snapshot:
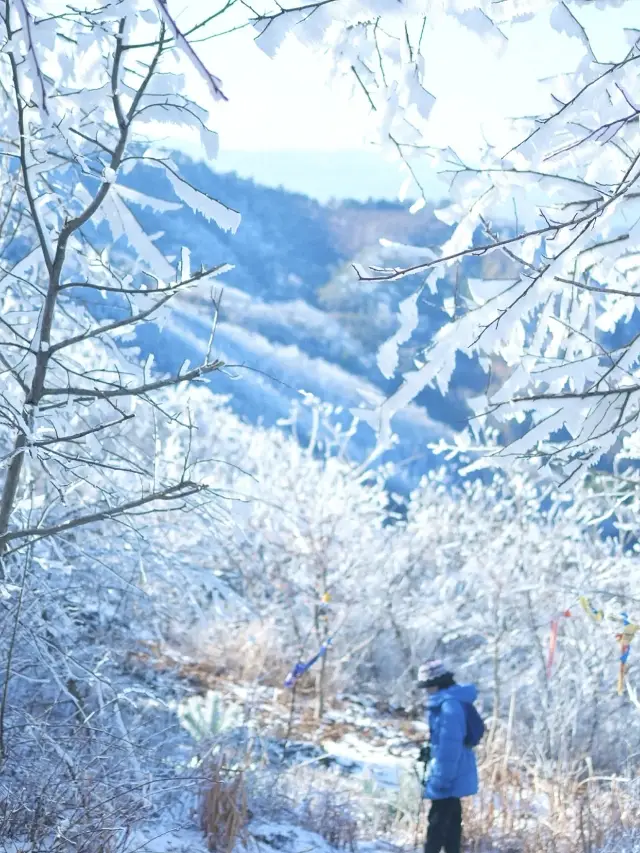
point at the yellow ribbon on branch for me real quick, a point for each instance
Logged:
(624, 637)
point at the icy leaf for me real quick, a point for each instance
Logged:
(409, 318)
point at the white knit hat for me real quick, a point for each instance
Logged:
(431, 672)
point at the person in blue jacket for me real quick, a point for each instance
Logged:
(452, 769)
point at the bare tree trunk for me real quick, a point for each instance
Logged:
(41, 343)
(320, 686)
(31, 402)
(43, 333)
(9, 662)
(321, 625)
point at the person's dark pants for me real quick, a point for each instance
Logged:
(445, 826)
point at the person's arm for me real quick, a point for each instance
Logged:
(446, 757)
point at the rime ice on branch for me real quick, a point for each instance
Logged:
(559, 201)
(81, 86)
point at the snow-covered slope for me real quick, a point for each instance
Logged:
(263, 378)
(294, 315)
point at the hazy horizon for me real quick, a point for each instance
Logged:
(327, 175)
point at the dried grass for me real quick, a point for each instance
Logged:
(248, 652)
(520, 810)
(224, 812)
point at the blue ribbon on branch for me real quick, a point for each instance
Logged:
(300, 668)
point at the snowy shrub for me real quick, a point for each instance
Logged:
(474, 572)
(207, 717)
(320, 801)
(331, 815)
(252, 649)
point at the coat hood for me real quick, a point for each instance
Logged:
(461, 692)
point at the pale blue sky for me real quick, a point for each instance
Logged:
(286, 105)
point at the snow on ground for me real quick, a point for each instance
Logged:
(356, 756)
(287, 838)
(154, 840)
(264, 837)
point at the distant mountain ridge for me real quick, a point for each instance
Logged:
(325, 175)
(293, 314)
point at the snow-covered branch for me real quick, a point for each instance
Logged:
(134, 390)
(555, 199)
(174, 492)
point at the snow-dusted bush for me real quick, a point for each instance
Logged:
(485, 568)
(315, 527)
(475, 572)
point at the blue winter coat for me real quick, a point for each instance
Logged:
(453, 771)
